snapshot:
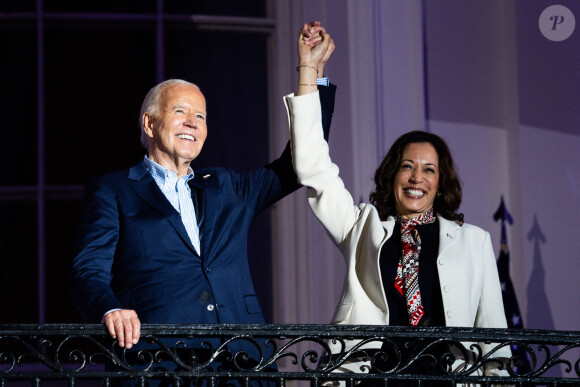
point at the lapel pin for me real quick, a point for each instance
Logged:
(206, 176)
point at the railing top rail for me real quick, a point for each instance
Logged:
(297, 330)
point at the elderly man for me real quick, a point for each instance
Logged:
(161, 243)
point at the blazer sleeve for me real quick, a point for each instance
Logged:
(490, 311)
(97, 235)
(329, 199)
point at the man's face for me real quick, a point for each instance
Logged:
(177, 133)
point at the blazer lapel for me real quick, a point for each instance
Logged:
(205, 193)
(370, 273)
(146, 188)
(198, 197)
(448, 233)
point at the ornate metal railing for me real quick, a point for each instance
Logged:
(282, 354)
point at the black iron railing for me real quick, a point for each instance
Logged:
(186, 355)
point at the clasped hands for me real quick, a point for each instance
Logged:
(315, 47)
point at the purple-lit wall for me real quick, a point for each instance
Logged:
(493, 75)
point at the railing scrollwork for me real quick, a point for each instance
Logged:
(188, 354)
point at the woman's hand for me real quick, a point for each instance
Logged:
(315, 47)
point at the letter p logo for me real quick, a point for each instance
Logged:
(557, 20)
(557, 23)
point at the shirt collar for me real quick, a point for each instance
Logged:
(159, 172)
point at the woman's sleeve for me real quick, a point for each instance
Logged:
(491, 312)
(330, 201)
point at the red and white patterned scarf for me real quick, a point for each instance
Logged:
(407, 280)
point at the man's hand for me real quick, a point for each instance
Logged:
(123, 325)
(325, 58)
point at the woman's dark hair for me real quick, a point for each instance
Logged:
(446, 204)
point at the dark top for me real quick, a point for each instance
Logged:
(428, 277)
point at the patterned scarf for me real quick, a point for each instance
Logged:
(407, 280)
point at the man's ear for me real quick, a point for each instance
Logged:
(148, 124)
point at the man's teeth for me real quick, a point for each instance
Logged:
(414, 192)
(186, 137)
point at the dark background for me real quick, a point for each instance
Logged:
(72, 79)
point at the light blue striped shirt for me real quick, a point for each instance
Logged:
(178, 193)
(324, 81)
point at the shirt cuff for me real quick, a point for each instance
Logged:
(109, 311)
(323, 81)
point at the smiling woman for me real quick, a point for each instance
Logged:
(423, 161)
(411, 259)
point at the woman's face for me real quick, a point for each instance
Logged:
(417, 180)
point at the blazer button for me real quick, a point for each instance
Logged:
(210, 307)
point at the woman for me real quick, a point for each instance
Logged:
(411, 259)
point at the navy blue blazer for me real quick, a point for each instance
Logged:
(133, 251)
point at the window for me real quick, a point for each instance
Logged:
(73, 77)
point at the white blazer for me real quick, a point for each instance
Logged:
(466, 263)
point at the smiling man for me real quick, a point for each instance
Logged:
(174, 132)
(161, 243)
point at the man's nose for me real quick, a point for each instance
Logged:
(191, 121)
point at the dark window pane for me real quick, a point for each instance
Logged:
(248, 8)
(18, 6)
(96, 77)
(61, 220)
(231, 70)
(18, 263)
(108, 6)
(18, 98)
(236, 94)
